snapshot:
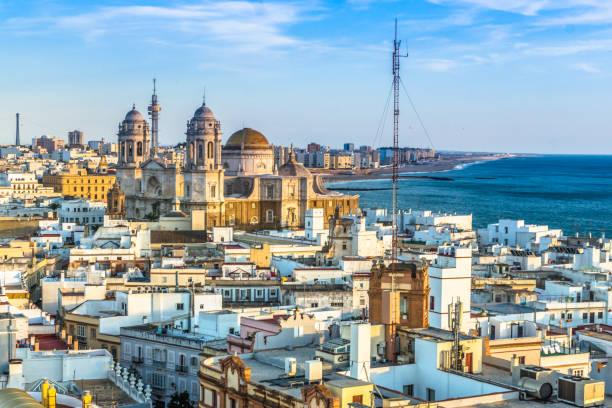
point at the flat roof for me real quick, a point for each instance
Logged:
(438, 335)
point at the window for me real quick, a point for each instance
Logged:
(404, 307)
(344, 245)
(81, 330)
(521, 359)
(431, 394)
(585, 316)
(432, 303)
(180, 306)
(232, 403)
(269, 191)
(210, 149)
(213, 191)
(552, 316)
(194, 361)
(505, 230)
(314, 305)
(269, 216)
(409, 389)
(92, 333)
(569, 316)
(139, 149)
(600, 315)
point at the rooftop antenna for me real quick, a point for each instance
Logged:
(204, 97)
(154, 110)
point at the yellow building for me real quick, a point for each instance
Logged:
(341, 161)
(81, 183)
(349, 390)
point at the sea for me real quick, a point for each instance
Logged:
(570, 192)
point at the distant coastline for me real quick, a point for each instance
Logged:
(446, 163)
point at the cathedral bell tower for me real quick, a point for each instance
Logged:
(203, 172)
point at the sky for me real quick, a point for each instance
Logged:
(529, 76)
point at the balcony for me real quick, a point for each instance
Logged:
(182, 369)
(159, 363)
(137, 359)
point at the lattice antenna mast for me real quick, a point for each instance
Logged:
(396, 91)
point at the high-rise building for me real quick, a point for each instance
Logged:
(349, 147)
(76, 139)
(313, 147)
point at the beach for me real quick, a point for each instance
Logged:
(444, 163)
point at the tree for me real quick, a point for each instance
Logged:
(151, 216)
(180, 400)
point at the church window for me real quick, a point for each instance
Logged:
(209, 149)
(270, 191)
(213, 191)
(130, 150)
(200, 153)
(269, 216)
(139, 149)
(191, 151)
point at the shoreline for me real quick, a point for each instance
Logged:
(444, 164)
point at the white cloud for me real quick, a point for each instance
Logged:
(585, 67)
(249, 25)
(438, 64)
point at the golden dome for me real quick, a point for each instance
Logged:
(247, 137)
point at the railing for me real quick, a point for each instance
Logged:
(159, 363)
(182, 369)
(137, 359)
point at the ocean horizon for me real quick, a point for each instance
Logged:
(571, 192)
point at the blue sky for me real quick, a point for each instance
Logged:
(484, 75)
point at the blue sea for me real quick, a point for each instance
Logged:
(570, 192)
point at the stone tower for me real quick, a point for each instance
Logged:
(134, 140)
(203, 172)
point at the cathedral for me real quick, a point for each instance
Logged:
(236, 184)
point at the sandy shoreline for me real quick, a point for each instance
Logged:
(444, 164)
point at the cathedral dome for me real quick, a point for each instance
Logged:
(247, 137)
(134, 115)
(293, 168)
(203, 112)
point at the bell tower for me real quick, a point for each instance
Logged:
(203, 173)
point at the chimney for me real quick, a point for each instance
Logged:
(361, 338)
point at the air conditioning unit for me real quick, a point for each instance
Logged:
(534, 372)
(579, 391)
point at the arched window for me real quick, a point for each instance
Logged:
(139, 149)
(122, 150)
(213, 191)
(130, 150)
(269, 216)
(200, 153)
(191, 151)
(209, 149)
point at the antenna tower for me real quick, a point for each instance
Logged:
(396, 91)
(396, 86)
(154, 110)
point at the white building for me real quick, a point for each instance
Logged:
(82, 211)
(315, 225)
(450, 278)
(516, 233)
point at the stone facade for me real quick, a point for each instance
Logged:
(238, 186)
(399, 300)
